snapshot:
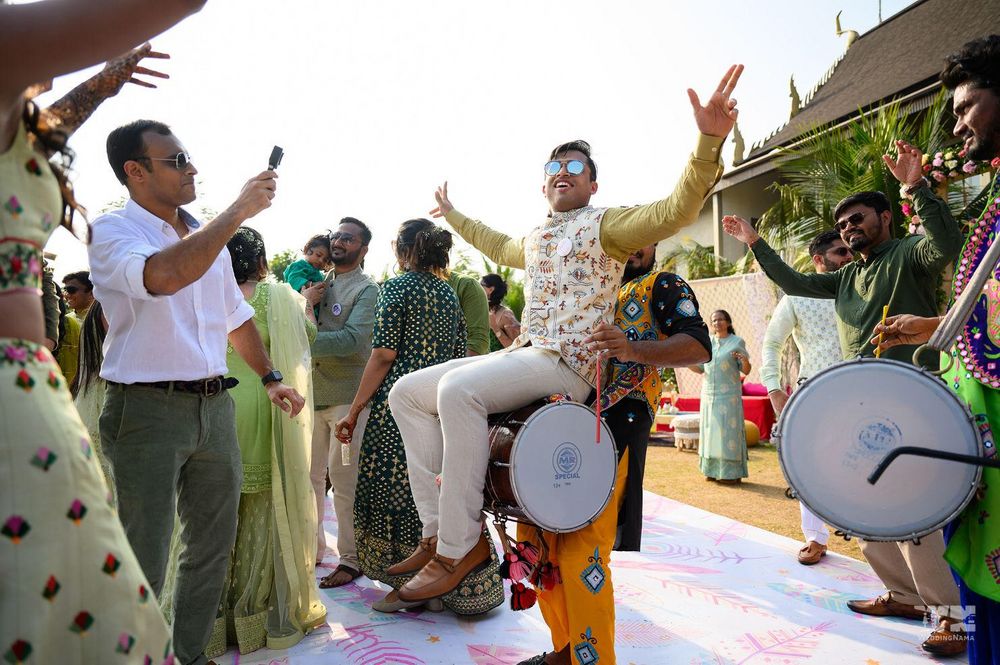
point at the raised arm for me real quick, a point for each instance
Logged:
(499, 247)
(171, 269)
(943, 239)
(792, 282)
(42, 40)
(73, 109)
(625, 230)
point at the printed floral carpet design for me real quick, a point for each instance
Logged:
(705, 590)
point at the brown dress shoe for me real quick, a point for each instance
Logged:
(811, 553)
(946, 642)
(442, 574)
(885, 606)
(421, 556)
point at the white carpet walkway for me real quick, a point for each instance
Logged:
(705, 590)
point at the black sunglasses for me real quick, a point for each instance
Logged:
(853, 220)
(71, 289)
(573, 167)
(342, 237)
(180, 160)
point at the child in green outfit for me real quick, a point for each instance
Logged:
(309, 269)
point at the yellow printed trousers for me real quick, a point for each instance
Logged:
(580, 610)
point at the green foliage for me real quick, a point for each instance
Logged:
(830, 164)
(280, 261)
(695, 261)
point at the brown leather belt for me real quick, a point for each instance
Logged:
(204, 387)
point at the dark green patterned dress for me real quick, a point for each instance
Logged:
(418, 316)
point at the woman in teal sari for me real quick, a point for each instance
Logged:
(722, 449)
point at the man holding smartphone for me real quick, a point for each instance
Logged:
(168, 427)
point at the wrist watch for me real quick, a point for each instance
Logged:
(271, 377)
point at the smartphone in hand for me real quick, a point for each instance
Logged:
(276, 154)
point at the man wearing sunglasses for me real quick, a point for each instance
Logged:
(974, 75)
(812, 324)
(901, 273)
(168, 426)
(342, 346)
(79, 292)
(574, 260)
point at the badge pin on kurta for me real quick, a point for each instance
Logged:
(564, 247)
(336, 309)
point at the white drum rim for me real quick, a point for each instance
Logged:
(614, 475)
(851, 531)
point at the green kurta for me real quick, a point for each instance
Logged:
(722, 449)
(418, 316)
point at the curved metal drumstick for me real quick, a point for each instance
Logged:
(928, 452)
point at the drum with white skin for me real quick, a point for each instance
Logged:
(843, 421)
(547, 467)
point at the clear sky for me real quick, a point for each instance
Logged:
(376, 103)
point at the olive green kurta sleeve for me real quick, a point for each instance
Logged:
(624, 230)
(499, 247)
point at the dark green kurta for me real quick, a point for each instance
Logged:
(900, 273)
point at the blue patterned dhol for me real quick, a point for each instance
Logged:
(593, 576)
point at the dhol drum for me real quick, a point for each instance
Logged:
(843, 421)
(546, 467)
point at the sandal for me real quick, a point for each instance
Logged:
(328, 583)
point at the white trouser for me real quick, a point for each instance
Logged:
(326, 453)
(813, 528)
(463, 393)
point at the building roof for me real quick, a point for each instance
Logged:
(899, 57)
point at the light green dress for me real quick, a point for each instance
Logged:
(270, 597)
(722, 449)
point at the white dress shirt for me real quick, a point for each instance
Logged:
(812, 323)
(181, 337)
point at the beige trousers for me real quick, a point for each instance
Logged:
(327, 455)
(916, 574)
(462, 393)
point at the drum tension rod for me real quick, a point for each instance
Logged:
(928, 452)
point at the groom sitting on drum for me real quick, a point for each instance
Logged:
(574, 260)
(900, 274)
(657, 324)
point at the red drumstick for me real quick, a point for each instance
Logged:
(598, 398)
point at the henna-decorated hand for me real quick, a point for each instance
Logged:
(124, 68)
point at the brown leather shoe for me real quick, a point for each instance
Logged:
(421, 557)
(442, 574)
(811, 553)
(885, 606)
(946, 642)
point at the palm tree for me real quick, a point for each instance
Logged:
(830, 164)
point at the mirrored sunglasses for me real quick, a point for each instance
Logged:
(573, 167)
(180, 160)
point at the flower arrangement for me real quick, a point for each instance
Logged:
(942, 168)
